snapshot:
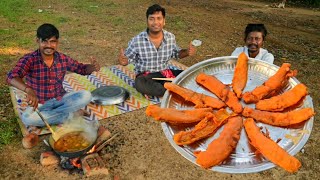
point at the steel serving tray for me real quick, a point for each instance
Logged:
(243, 159)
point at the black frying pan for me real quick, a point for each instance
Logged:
(70, 154)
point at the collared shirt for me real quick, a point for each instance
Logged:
(263, 55)
(146, 57)
(45, 81)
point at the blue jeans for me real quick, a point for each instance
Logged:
(56, 112)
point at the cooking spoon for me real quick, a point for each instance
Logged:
(47, 124)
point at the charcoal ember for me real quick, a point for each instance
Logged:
(66, 163)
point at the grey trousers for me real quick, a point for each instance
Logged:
(147, 86)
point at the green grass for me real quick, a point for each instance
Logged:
(9, 127)
(115, 21)
(92, 7)
(13, 10)
(9, 131)
(75, 32)
(22, 18)
(177, 23)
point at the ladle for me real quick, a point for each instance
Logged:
(47, 124)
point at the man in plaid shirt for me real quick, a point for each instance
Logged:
(44, 71)
(150, 52)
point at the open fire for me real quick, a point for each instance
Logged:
(92, 150)
(90, 162)
(76, 162)
(70, 163)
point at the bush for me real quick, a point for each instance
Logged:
(313, 3)
(301, 3)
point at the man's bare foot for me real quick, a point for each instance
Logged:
(30, 140)
(147, 97)
(82, 112)
(34, 129)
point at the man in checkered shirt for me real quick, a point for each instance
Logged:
(44, 71)
(150, 52)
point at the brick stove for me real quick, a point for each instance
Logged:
(90, 163)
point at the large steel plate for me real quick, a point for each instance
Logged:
(243, 159)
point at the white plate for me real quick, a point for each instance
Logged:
(196, 43)
(243, 159)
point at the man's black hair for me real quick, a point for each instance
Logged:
(155, 8)
(255, 28)
(47, 31)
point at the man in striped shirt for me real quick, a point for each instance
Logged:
(44, 71)
(150, 52)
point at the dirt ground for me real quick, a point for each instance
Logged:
(141, 151)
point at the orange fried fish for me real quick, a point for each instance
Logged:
(176, 116)
(220, 90)
(279, 119)
(269, 149)
(203, 129)
(273, 84)
(219, 149)
(285, 100)
(240, 76)
(200, 100)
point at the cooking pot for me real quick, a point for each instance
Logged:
(73, 154)
(76, 125)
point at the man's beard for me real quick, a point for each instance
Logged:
(256, 48)
(155, 32)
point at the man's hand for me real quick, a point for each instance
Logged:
(32, 98)
(94, 66)
(123, 60)
(191, 50)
